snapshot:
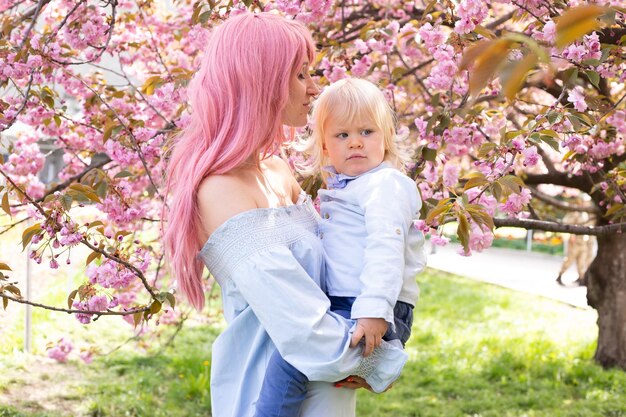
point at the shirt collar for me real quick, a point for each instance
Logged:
(338, 181)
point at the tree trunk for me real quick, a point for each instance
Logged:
(606, 292)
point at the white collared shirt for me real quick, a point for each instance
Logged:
(373, 250)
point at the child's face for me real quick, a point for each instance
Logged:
(353, 147)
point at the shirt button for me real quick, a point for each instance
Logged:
(321, 235)
(326, 215)
(398, 231)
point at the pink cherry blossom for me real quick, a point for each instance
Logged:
(516, 202)
(577, 97)
(479, 239)
(451, 174)
(61, 350)
(531, 157)
(439, 240)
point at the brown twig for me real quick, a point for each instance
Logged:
(561, 228)
(74, 311)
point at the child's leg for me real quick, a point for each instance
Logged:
(403, 319)
(284, 387)
(283, 390)
(341, 305)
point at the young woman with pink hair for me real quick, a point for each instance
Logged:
(238, 210)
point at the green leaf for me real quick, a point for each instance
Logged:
(123, 174)
(554, 117)
(496, 191)
(5, 204)
(513, 133)
(92, 256)
(429, 154)
(512, 183)
(66, 202)
(171, 299)
(28, 234)
(576, 22)
(95, 224)
(475, 182)
(155, 307)
(102, 189)
(108, 130)
(13, 289)
(197, 8)
(594, 77)
(444, 122)
(70, 298)
(462, 231)
(568, 155)
(550, 141)
(83, 192)
(486, 57)
(204, 17)
(441, 209)
(137, 318)
(614, 208)
(551, 133)
(515, 77)
(485, 149)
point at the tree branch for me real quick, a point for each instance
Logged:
(84, 240)
(611, 36)
(562, 204)
(74, 311)
(560, 227)
(75, 178)
(40, 5)
(559, 178)
(498, 22)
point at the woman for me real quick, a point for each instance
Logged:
(242, 212)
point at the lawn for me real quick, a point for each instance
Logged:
(476, 350)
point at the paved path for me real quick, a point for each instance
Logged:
(530, 272)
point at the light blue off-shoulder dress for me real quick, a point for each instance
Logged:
(269, 265)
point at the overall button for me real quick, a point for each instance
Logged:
(326, 215)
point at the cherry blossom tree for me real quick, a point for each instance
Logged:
(512, 109)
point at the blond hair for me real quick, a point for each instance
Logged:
(349, 99)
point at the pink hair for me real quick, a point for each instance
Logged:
(237, 97)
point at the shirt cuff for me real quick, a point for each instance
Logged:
(373, 307)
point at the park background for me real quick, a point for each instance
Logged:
(513, 110)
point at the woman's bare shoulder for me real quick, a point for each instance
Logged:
(221, 197)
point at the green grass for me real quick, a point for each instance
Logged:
(477, 350)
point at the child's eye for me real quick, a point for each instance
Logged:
(367, 132)
(341, 135)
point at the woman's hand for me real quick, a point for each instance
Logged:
(354, 382)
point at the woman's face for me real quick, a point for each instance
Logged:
(301, 90)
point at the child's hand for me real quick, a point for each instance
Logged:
(373, 329)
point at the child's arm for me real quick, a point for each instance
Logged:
(389, 207)
(373, 330)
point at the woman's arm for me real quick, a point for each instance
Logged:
(295, 313)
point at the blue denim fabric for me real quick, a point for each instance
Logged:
(283, 390)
